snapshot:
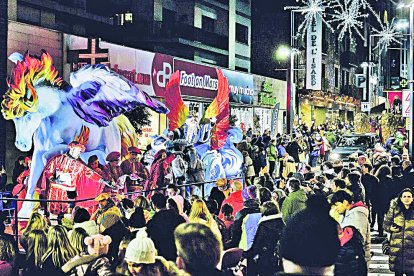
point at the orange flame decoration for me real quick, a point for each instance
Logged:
(21, 96)
(83, 137)
(129, 136)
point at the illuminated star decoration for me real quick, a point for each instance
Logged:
(311, 9)
(349, 17)
(388, 34)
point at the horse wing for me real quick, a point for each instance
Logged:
(98, 95)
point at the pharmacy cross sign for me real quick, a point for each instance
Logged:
(93, 54)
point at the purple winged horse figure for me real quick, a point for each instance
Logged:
(49, 113)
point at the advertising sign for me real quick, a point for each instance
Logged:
(406, 103)
(150, 72)
(314, 55)
(394, 99)
(241, 87)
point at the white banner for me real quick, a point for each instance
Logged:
(314, 55)
(406, 103)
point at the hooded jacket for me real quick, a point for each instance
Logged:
(235, 199)
(401, 242)
(293, 203)
(357, 216)
(265, 245)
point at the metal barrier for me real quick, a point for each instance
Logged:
(74, 201)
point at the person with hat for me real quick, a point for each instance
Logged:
(246, 222)
(135, 169)
(66, 176)
(310, 243)
(108, 218)
(141, 257)
(112, 170)
(95, 262)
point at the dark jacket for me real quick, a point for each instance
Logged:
(3, 181)
(251, 206)
(351, 255)
(265, 246)
(369, 181)
(401, 242)
(17, 170)
(117, 232)
(161, 230)
(48, 268)
(92, 265)
(380, 196)
(293, 149)
(408, 177)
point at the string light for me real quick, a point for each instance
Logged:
(310, 9)
(387, 35)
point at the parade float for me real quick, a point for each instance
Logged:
(50, 113)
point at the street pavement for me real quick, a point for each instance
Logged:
(379, 262)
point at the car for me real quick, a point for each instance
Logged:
(353, 143)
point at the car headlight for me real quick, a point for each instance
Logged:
(335, 156)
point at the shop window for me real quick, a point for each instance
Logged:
(242, 33)
(336, 77)
(207, 24)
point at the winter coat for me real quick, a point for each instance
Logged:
(265, 246)
(3, 180)
(249, 229)
(351, 256)
(293, 203)
(293, 149)
(369, 181)
(235, 199)
(88, 265)
(161, 230)
(251, 206)
(402, 242)
(357, 217)
(272, 153)
(6, 269)
(89, 226)
(248, 162)
(117, 232)
(380, 198)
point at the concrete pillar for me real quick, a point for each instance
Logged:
(232, 34)
(3, 72)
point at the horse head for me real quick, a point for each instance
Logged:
(32, 95)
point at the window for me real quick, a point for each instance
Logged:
(28, 15)
(343, 78)
(336, 77)
(242, 33)
(207, 24)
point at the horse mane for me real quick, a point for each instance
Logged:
(28, 73)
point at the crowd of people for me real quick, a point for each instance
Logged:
(295, 212)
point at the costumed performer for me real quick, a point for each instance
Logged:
(112, 170)
(66, 176)
(136, 171)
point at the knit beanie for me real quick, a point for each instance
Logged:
(98, 244)
(141, 250)
(249, 193)
(315, 233)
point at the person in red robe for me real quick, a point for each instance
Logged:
(136, 171)
(20, 189)
(66, 176)
(112, 171)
